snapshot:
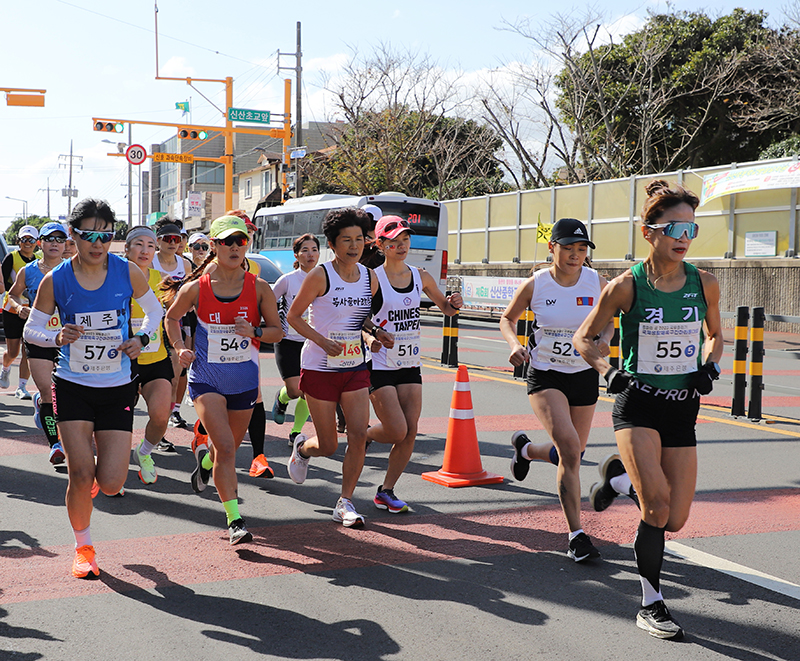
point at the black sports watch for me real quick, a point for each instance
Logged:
(716, 367)
(257, 332)
(144, 338)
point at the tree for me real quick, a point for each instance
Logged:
(402, 132)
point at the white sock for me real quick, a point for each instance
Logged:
(83, 537)
(146, 447)
(524, 452)
(6, 370)
(621, 484)
(23, 383)
(649, 594)
(575, 533)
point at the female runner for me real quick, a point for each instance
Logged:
(287, 351)
(94, 383)
(396, 381)
(333, 369)
(223, 368)
(41, 360)
(562, 387)
(669, 307)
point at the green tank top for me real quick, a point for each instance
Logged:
(662, 335)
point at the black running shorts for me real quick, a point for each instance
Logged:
(580, 388)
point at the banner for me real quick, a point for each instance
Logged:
(758, 177)
(482, 292)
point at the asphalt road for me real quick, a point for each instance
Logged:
(471, 573)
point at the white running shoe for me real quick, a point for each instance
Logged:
(22, 393)
(298, 464)
(345, 513)
(5, 378)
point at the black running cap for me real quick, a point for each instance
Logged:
(570, 230)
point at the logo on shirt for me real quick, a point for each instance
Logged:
(338, 289)
(214, 317)
(690, 295)
(550, 301)
(584, 300)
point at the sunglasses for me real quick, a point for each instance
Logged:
(200, 246)
(55, 239)
(92, 236)
(27, 239)
(170, 238)
(677, 230)
(238, 239)
(391, 227)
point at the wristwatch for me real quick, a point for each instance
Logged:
(144, 338)
(716, 368)
(257, 332)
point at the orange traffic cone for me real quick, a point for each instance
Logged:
(462, 459)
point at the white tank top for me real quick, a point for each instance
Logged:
(178, 273)
(338, 315)
(285, 290)
(399, 315)
(558, 313)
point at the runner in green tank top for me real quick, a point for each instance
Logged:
(667, 306)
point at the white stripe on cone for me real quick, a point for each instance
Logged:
(462, 414)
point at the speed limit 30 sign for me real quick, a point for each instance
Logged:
(136, 154)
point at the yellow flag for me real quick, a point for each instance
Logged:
(543, 233)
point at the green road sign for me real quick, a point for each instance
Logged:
(245, 115)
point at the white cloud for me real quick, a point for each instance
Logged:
(396, 14)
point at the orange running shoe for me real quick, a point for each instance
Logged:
(95, 488)
(199, 439)
(260, 468)
(85, 562)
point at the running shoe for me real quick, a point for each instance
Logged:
(57, 455)
(119, 493)
(175, 420)
(85, 563)
(260, 468)
(519, 464)
(656, 620)
(147, 468)
(386, 500)
(298, 464)
(278, 410)
(199, 439)
(581, 548)
(238, 533)
(37, 404)
(200, 475)
(293, 435)
(345, 513)
(22, 393)
(165, 446)
(5, 378)
(602, 494)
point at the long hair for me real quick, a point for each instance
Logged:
(661, 195)
(298, 243)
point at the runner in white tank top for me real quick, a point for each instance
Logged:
(396, 381)
(333, 369)
(562, 388)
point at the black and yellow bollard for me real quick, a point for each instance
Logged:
(613, 348)
(756, 364)
(740, 360)
(450, 339)
(524, 324)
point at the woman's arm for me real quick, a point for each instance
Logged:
(313, 287)
(184, 301)
(15, 296)
(448, 305)
(508, 322)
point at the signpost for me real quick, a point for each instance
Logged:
(136, 154)
(158, 157)
(245, 115)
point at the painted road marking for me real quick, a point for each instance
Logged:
(753, 576)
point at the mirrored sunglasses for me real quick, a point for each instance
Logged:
(170, 238)
(238, 239)
(91, 236)
(27, 239)
(55, 239)
(200, 246)
(677, 230)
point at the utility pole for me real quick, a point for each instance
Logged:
(130, 186)
(298, 127)
(48, 189)
(69, 192)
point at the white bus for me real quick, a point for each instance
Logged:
(281, 225)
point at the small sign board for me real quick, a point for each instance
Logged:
(173, 158)
(136, 154)
(760, 244)
(245, 115)
(298, 152)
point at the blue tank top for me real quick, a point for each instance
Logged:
(94, 359)
(33, 278)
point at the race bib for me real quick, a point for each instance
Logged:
(155, 336)
(225, 346)
(556, 348)
(668, 348)
(96, 352)
(54, 322)
(405, 352)
(352, 355)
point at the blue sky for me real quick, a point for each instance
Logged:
(97, 59)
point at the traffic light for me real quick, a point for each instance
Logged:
(189, 133)
(111, 127)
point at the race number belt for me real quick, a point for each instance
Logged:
(405, 352)
(668, 348)
(155, 336)
(225, 346)
(96, 352)
(555, 347)
(352, 355)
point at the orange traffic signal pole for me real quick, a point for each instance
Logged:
(28, 97)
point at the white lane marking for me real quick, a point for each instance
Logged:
(732, 569)
(482, 339)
